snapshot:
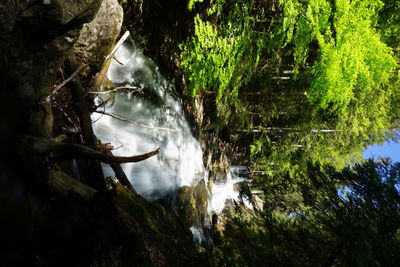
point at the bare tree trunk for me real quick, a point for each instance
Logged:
(82, 109)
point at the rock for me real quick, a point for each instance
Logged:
(98, 37)
(189, 204)
(150, 236)
(9, 9)
(63, 11)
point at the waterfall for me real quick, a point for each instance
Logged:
(161, 123)
(160, 110)
(221, 192)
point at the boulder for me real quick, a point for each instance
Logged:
(63, 11)
(98, 37)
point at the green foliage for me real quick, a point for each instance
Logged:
(350, 79)
(222, 56)
(191, 4)
(352, 60)
(323, 218)
(388, 23)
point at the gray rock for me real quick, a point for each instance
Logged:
(98, 37)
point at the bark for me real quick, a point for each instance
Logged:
(120, 174)
(63, 185)
(47, 146)
(101, 76)
(96, 179)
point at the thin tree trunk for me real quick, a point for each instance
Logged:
(82, 109)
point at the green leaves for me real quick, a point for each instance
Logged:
(222, 57)
(352, 60)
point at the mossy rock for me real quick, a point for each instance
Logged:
(154, 237)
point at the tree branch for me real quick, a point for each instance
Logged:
(115, 89)
(46, 146)
(119, 43)
(132, 122)
(61, 85)
(99, 78)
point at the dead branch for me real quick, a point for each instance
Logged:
(93, 173)
(118, 61)
(114, 90)
(100, 77)
(73, 75)
(119, 43)
(132, 122)
(46, 146)
(120, 174)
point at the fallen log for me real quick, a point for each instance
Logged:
(63, 185)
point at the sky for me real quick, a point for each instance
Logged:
(387, 149)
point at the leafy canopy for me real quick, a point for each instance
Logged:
(352, 60)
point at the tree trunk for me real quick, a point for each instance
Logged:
(82, 109)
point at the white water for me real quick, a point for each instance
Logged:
(179, 161)
(221, 192)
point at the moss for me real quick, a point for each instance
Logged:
(135, 210)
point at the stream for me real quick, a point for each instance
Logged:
(155, 105)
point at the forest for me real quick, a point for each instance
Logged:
(199, 132)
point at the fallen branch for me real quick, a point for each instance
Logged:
(120, 174)
(118, 61)
(101, 76)
(46, 146)
(132, 122)
(73, 75)
(63, 185)
(114, 90)
(119, 43)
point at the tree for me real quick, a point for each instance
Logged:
(324, 218)
(224, 49)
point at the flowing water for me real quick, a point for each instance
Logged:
(221, 192)
(159, 111)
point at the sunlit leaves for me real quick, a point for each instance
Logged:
(352, 61)
(222, 57)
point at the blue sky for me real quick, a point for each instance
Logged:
(387, 149)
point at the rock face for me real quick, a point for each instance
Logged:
(98, 37)
(63, 11)
(189, 204)
(9, 9)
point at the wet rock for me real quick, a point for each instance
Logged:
(150, 235)
(215, 156)
(189, 204)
